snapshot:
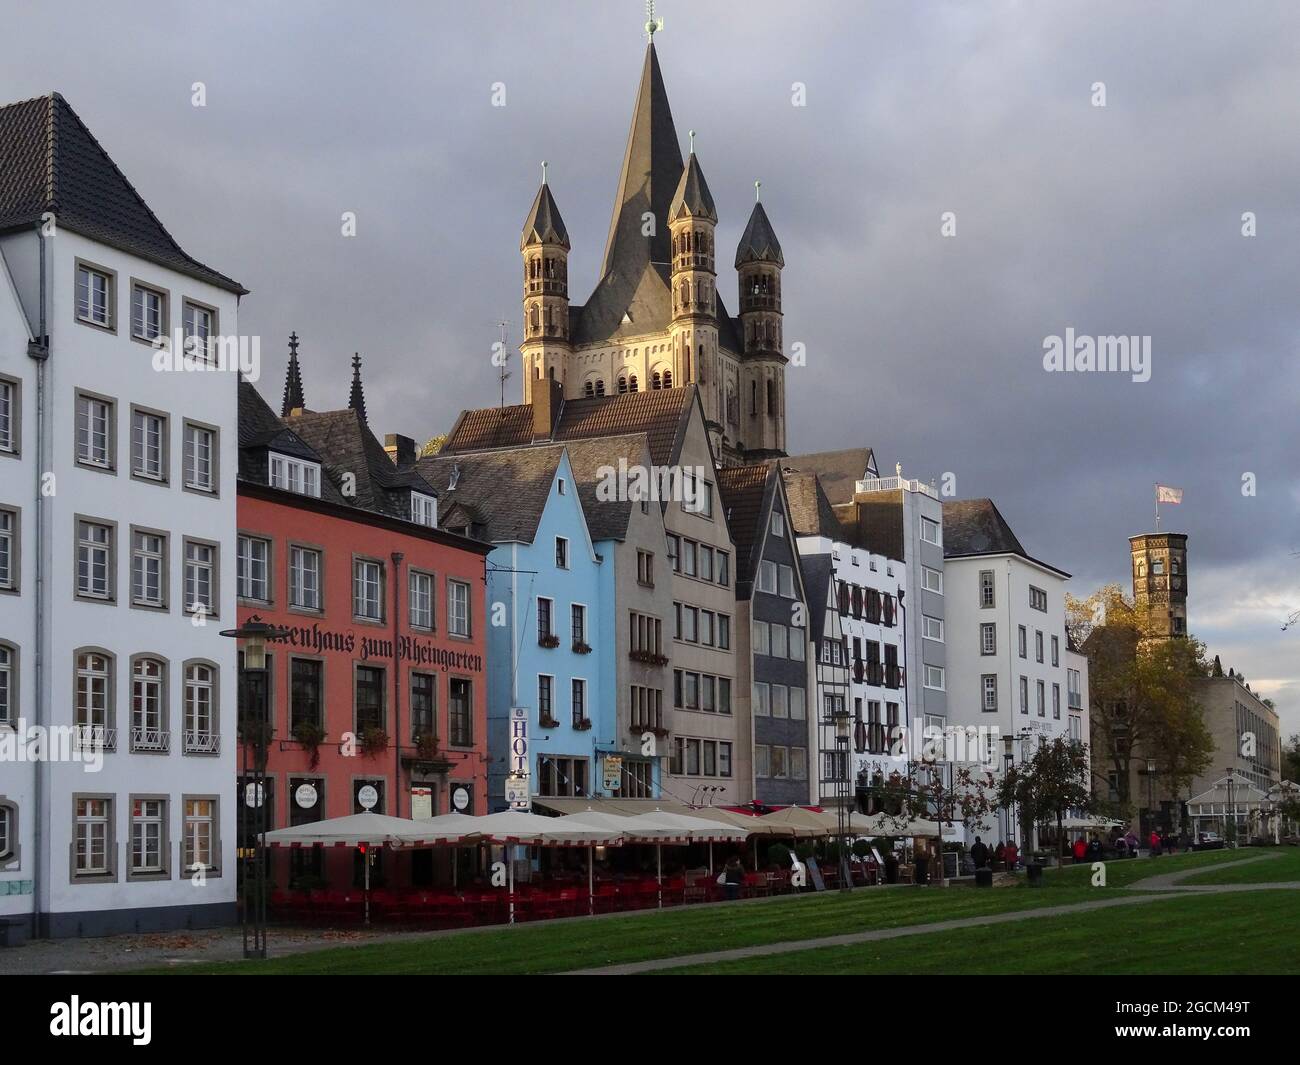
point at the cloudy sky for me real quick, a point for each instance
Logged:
(1122, 219)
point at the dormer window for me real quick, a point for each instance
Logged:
(295, 475)
(424, 510)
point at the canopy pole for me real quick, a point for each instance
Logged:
(591, 883)
(510, 875)
(366, 859)
(756, 854)
(659, 874)
(710, 857)
(455, 861)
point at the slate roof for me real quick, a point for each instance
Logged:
(606, 519)
(259, 427)
(503, 491)
(817, 571)
(811, 513)
(745, 493)
(838, 471)
(544, 224)
(976, 527)
(758, 243)
(660, 415)
(692, 197)
(50, 161)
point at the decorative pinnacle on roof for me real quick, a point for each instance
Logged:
(758, 244)
(652, 24)
(544, 224)
(692, 197)
(357, 400)
(293, 395)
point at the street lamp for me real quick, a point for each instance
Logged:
(1008, 761)
(1151, 802)
(841, 718)
(256, 734)
(1232, 809)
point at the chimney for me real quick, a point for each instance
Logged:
(548, 397)
(401, 449)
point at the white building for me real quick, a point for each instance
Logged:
(117, 509)
(1009, 663)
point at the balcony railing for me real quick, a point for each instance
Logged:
(150, 739)
(95, 737)
(202, 742)
(895, 484)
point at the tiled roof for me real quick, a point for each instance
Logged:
(838, 471)
(50, 162)
(504, 491)
(811, 513)
(744, 491)
(661, 415)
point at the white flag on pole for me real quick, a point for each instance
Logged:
(1165, 494)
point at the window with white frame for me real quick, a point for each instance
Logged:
(8, 416)
(148, 312)
(420, 594)
(930, 531)
(561, 553)
(295, 475)
(458, 614)
(8, 670)
(1042, 699)
(304, 578)
(200, 577)
(424, 510)
(252, 569)
(8, 831)
(200, 834)
(934, 677)
(148, 705)
(149, 445)
(767, 576)
(200, 722)
(697, 495)
(1056, 701)
(94, 560)
(988, 639)
(1023, 635)
(200, 454)
(778, 524)
(367, 589)
(93, 852)
(93, 692)
(932, 628)
(932, 580)
(1037, 598)
(986, 589)
(1038, 645)
(1024, 695)
(785, 581)
(989, 686)
(200, 327)
(94, 431)
(95, 296)
(148, 568)
(148, 835)
(1056, 650)
(8, 550)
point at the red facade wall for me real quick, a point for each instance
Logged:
(342, 642)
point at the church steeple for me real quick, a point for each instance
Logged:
(293, 397)
(357, 398)
(545, 248)
(759, 262)
(692, 218)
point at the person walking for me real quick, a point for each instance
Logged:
(733, 875)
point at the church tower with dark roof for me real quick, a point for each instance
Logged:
(655, 318)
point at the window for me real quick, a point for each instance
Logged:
(8, 686)
(424, 510)
(545, 698)
(778, 524)
(1056, 650)
(578, 701)
(420, 596)
(252, 576)
(8, 550)
(986, 588)
(989, 686)
(95, 296)
(561, 553)
(798, 703)
(1074, 688)
(200, 577)
(932, 628)
(1042, 699)
(798, 649)
(687, 557)
(1037, 599)
(369, 698)
(298, 476)
(93, 695)
(94, 835)
(762, 638)
(544, 618)
(798, 763)
(424, 706)
(148, 313)
(697, 495)
(1038, 646)
(780, 701)
(367, 589)
(148, 445)
(1023, 635)
(780, 641)
(200, 834)
(461, 723)
(762, 760)
(988, 639)
(458, 617)
(148, 835)
(200, 722)
(785, 581)
(723, 567)
(148, 706)
(1024, 695)
(200, 458)
(934, 677)
(1056, 701)
(767, 577)
(578, 623)
(8, 416)
(95, 431)
(705, 562)
(1158, 567)
(931, 580)
(305, 694)
(94, 560)
(645, 569)
(8, 832)
(200, 328)
(930, 531)
(762, 699)
(674, 552)
(304, 578)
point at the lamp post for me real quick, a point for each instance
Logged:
(1008, 761)
(255, 726)
(1151, 802)
(1232, 810)
(842, 790)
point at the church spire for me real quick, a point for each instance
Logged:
(357, 400)
(293, 397)
(544, 224)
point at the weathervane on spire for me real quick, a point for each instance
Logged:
(757, 185)
(543, 171)
(652, 25)
(691, 133)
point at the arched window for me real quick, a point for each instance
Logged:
(8, 832)
(550, 372)
(655, 382)
(700, 365)
(148, 705)
(200, 701)
(534, 318)
(94, 698)
(8, 684)
(589, 390)
(622, 384)
(600, 388)
(771, 397)
(668, 379)
(686, 363)
(753, 397)
(631, 383)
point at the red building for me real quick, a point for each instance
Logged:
(378, 689)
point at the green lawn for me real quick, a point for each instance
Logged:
(1281, 865)
(1193, 934)
(1121, 872)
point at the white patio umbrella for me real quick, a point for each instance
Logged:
(687, 830)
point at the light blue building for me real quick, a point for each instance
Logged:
(550, 596)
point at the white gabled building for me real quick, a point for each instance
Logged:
(1010, 666)
(117, 569)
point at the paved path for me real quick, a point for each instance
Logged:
(1164, 886)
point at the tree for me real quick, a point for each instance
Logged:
(1056, 779)
(433, 445)
(1141, 695)
(1291, 758)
